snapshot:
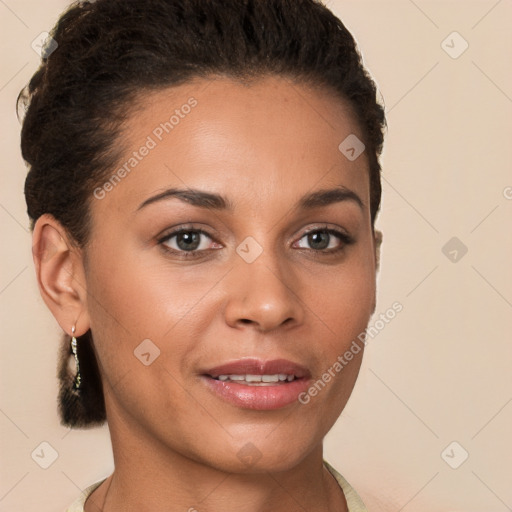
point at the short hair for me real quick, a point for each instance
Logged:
(108, 52)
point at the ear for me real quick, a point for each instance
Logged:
(378, 242)
(60, 274)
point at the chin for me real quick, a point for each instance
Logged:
(264, 454)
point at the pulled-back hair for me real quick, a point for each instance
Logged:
(109, 52)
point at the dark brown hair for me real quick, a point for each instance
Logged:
(111, 51)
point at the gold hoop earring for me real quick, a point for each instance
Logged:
(78, 378)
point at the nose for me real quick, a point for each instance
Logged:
(263, 294)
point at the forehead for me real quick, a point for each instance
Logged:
(250, 142)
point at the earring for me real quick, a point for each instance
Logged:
(78, 378)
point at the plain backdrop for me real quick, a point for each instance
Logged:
(427, 428)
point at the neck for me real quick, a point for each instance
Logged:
(149, 476)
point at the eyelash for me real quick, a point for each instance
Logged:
(344, 238)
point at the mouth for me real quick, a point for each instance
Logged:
(256, 384)
(257, 380)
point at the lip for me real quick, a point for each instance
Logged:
(267, 397)
(258, 367)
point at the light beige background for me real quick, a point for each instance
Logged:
(439, 372)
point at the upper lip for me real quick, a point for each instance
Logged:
(250, 366)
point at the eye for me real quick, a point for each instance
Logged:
(189, 242)
(325, 240)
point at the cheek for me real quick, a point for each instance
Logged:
(132, 311)
(343, 299)
(344, 310)
(132, 300)
(343, 306)
(139, 297)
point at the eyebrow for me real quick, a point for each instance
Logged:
(202, 199)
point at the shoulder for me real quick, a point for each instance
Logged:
(354, 502)
(78, 504)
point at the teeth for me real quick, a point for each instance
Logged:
(258, 379)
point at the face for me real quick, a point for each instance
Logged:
(234, 251)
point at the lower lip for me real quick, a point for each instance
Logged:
(261, 398)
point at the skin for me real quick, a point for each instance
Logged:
(263, 146)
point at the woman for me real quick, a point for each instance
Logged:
(203, 186)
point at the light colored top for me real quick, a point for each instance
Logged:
(354, 502)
